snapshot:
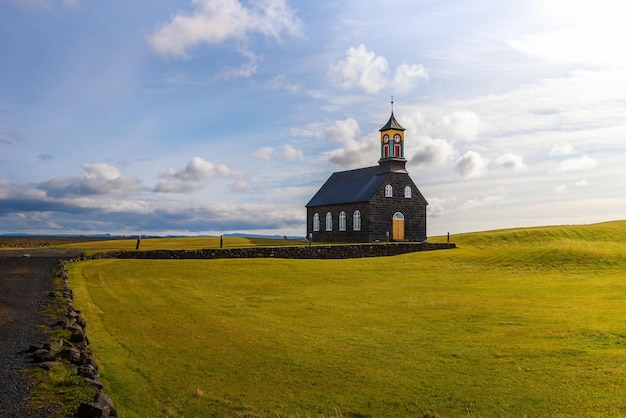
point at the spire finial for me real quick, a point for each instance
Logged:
(392, 103)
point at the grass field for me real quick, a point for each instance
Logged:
(183, 243)
(521, 322)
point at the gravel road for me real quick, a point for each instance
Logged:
(26, 277)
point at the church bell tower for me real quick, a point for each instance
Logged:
(392, 146)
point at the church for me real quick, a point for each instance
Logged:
(372, 204)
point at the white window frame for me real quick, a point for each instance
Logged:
(408, 193)
(342, 221)
(329, 221)
(389, 190)
(356, 220)
(316, 222)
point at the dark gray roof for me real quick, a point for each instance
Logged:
(392, 124)
(349, 187)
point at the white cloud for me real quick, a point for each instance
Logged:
(217, 21)
(291, 153)
(437, 206)
(560, 189)
(471, 165)
(559, 150)
(578, 32)
(362, 69)
(432, 151)
(355, 153)
(463, 124)
(581, 183)
(493, 197)
(288, 153)
(343, 130)
(577, 164)
(407, 77)
(193, 176)
(172, 186)
(245, 69)
(264, 153)
(199, 169)
(95, 179)
(510, 161)
(280, 82)
(241, 186)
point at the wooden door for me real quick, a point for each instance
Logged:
(398, 226)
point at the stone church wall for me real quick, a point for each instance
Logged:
(302, 252)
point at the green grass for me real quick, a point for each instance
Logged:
(184, 243)
(60, 389)
(524, 322)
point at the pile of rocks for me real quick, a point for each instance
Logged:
(74, 351)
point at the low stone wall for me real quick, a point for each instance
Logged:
(74, 351)
(303, 252)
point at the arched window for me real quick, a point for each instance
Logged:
(356, 220)
(316, 222)
(407, 192)
(385, 149)
(397, 146)
(388, 191)
(329, 221)
(342, 221)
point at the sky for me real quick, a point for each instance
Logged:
(190, 117)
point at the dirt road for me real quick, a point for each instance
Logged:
(26, 277)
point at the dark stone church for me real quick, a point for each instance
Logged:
(371, 204)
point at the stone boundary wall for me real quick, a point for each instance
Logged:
(303, 252)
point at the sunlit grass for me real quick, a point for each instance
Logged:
(526, 322)
(180, 243)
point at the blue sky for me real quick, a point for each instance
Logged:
(218, 116)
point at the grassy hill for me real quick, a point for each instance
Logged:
(520, 322)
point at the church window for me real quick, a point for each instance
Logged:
(407, 192)
(388, 191)
(397, 146)
(356, 220)
(316, 222)
(385, 149)
(342, 221)
(329, 221)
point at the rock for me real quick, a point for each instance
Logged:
(104, 399)
(54, 346)
(78, 337)
(74, 328)
(47, 365)
(94, 383)
(93, 410)
(43, 355)
(72, 355)
(87, 360)
(81, 321)
(88, 371)
(34, 347)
